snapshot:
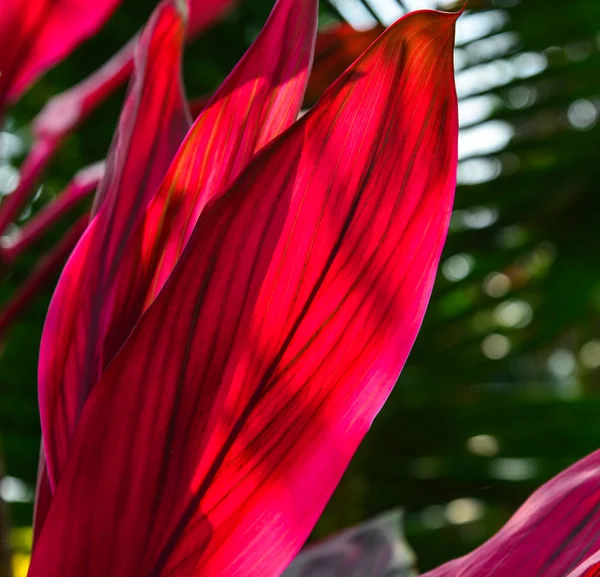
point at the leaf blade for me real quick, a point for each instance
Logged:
(298, 298)
(554, 533)
(36, 35)
(257, 101)
(152, 126)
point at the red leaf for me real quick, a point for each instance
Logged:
(335, 50)
(204, 14)
(66, 111)
(45, 270)
(218, 433)
(554, 534)
(152, 126)
(83, 183)
(31, 169)
(59, 117)
(36, 34)
(589, 568)
(257, 101)
(43, 497)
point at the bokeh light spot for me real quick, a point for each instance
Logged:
(483, 445)
(495, 346)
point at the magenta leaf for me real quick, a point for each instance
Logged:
(83, 184)
(152, 126)
(217, 434)
(257, 101)
(36, 34)
(204, 14)
(45, 270)
(66, 111)
(554, 534)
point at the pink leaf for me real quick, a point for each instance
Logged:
(32, 168)
(152, 126)
(36, 34)
(258, 100)
(336, 48)
(83, 184)
(554, 534)
(589, 568)
(204, 14)
(45, 270)
(219, 431)
(43, 497)
(60, 116)
(66, 111)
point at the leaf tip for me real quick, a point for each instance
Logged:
(452, 17)
(183, 9)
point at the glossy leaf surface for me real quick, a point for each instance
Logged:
(66, 111)
(242, 393)
(336, 49)
(259, 99)
(36, 34)
(554, 534)
(152, 125)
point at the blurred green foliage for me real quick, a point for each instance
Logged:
(501, 390)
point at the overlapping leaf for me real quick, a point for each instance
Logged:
(336, 49)
(259, 99)
(204, 14)
(64, 112)
(82, 184)
(36, 34)
(152, 126)
(239, 398)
